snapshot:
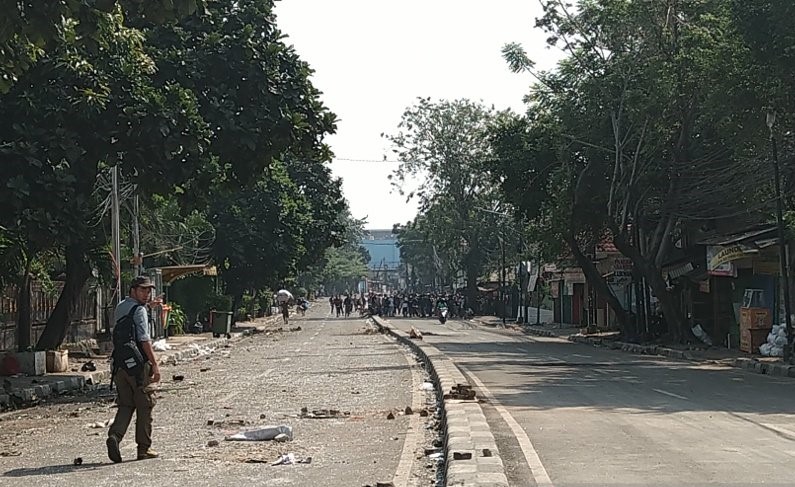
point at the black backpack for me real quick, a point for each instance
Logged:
(127, 352)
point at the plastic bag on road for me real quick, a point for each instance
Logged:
(263, 433)
(161, 345)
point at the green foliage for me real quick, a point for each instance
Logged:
(177, 319)
(447, 144)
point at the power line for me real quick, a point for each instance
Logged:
(348, 159)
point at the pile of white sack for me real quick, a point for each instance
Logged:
(776, 341)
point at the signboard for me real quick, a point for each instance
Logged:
(719, 260)
(622, 272)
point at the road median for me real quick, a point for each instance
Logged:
(471, 454)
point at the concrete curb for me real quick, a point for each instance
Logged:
(471, 454)
(753, 365)
(29, 395)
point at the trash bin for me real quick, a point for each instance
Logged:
(222, 323)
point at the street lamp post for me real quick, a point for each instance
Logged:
(783, 263)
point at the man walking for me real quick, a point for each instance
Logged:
(134, 373)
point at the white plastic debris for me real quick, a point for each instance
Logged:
(264, 433)
(426, 386)
(161, 345)
(436, 456)
(286, 459)
(702, 335)
(776, 341)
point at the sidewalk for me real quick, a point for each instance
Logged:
(733, 358)
(22, 391)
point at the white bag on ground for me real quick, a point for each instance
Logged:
(263, 433)
(702, 335)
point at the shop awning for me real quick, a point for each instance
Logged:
(174, 272)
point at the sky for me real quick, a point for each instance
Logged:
(374, 58)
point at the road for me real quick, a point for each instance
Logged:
(595, 417)
(265, 379)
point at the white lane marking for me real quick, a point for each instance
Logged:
(579, 355)
(530, 454)
(297, 349)
(670, 394)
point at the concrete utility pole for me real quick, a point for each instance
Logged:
(114, 198)
(782, 239)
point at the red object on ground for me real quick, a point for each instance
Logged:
(9, 365)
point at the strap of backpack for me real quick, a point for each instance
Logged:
(131, 315)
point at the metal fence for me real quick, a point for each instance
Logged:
(43, 300)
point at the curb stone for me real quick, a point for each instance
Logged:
(467, 434)
(750, 364)
(29, 395)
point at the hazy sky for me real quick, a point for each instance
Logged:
(373, 58)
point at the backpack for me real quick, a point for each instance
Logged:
(127, 354)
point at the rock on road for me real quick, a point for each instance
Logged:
(266, 379)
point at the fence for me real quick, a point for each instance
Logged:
(43, 300)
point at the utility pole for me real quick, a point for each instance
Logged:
(502, 276)
(782, 241)
(538, 295)
(137, 258)
(114, 198)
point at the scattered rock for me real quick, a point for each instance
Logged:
(390, 416)
(204, 369)
(431, 451)
(177, 378)
(263, 416)
(89, 367)
(210, 422)
(212, 443)
(462, 455)
(424, 413)
(78, 461)
(415, 334)
(486, 452)
(409, 411)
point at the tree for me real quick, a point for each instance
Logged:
(74, 113)
(30, 30)
(660, 121)
(259, 233)
(446, 142)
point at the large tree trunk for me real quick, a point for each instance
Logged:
(24, 324)
(78, 270)
(668, 301)
(596, 280)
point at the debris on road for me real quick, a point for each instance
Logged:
(390, 416)
(426, 386)
(408, 411)
(78, 461)
(415, 334)
(290, 459)
(263, 433)
(323, 413)
(177, 378)
(212, 443)
(462, 392)
(89, 366)
(204, 369)
(161, 345)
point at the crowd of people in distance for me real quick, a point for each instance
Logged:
(399, 304)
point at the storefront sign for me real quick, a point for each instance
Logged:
(622, 272)
(719, 260)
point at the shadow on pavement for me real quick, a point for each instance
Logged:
(550, 375)
(54, 469)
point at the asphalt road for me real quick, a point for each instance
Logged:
(266, 379)
(594, 417)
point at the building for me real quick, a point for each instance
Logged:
(384, 266)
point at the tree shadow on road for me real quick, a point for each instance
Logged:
(554, 375)
(54, 469)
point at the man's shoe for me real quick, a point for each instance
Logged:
(113, 449)
(148, 455)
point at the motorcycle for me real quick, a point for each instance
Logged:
(443, 315)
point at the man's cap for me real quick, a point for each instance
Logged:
(142, 281)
